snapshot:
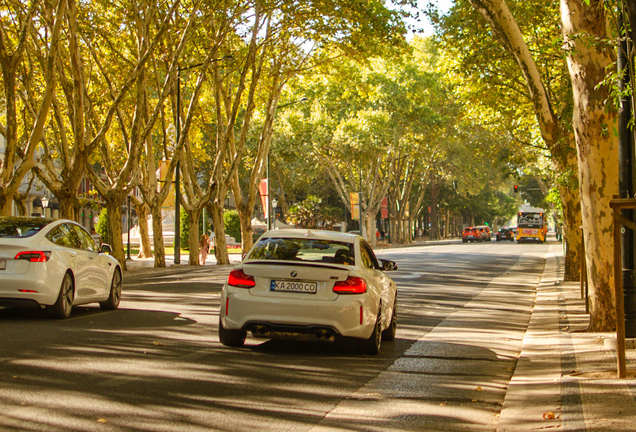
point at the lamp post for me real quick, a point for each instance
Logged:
(269, 217)
(45, 205)
(274, 204)
(177, 174)
(128, 237)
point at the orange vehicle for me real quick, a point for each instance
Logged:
(531, 226)
(471, 234)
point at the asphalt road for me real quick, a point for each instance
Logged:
(156, 363)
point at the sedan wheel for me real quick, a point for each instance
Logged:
(62, 307)
(372, 345)
(114, 297)
(389, 333)
(232, 338)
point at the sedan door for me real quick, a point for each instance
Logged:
(72, 257)
(98, 266)
(385, 285)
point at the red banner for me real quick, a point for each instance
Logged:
(262, 188)
(385, 208)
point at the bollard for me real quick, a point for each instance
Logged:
(583, 275)
(629, 296)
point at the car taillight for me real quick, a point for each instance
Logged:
(239, 279)
(353, 285)
(34, 256)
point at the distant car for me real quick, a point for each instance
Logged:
(471, 234)
(310, 285)
(505, 234)
(55, 264)
(484, 230)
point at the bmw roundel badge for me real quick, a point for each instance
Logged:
(294, 274)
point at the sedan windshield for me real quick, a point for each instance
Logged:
(302, 249)
(17, 227)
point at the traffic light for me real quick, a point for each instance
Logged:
(516, 188)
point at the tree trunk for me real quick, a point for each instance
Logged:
(144, 234)
(193, 241)
(371, 237)
(157, 236)
(114, 223)
(434, 215)
(245, 218)
(67, 205)
(20, 202)
(220, 246)
(596, 148)
(570, 199)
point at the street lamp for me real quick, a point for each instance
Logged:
(269, 217)
(128, 227)
(274, 204)
(45, 205)
(177, 176)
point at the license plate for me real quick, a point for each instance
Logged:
(3, 264)
(294, 286)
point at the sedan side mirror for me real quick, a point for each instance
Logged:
(106, 249)
(388, 265)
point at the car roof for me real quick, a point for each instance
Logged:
(311, 233)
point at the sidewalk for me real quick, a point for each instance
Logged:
(566, 378)
(136, 265)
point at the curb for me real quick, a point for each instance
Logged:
(533, 399)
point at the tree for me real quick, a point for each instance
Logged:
(583, 26)
(297, 39)
(16, 26)
(121, 149)
(530, 79)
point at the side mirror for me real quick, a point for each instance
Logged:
(106, 249)
(388, 265)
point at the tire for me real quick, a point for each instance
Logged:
(231, 338)
(114, 297)
(64, 304)
(389, 333)
(372, 345)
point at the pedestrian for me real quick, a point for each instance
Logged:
(96, 237)
(204, 244)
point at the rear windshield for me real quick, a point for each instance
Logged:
(303, 249)
(530, 220)
(17, 227)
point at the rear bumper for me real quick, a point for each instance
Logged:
(277, 317)
(45, 288)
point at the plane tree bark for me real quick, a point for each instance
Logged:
(583, 26)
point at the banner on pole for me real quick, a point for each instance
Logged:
(385, 208)
(161, 174)
(262, 188)
(354, 199)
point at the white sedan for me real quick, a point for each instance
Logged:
(310, 285)
(55, 264)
